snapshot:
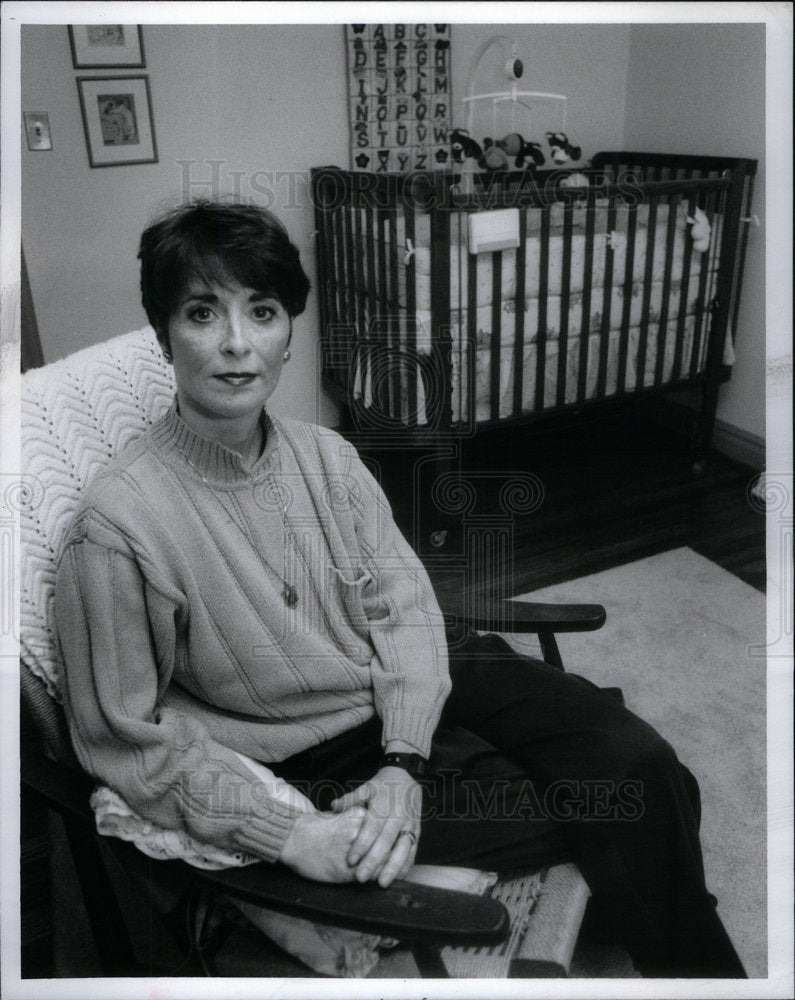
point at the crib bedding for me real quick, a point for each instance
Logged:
(604, 246)
(412, 406)
(673, 266)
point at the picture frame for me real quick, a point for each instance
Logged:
(118, 120)
(106, 46)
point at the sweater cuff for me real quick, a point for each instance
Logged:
(265, 835)
(411, 728)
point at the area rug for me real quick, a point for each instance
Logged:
(680, 641)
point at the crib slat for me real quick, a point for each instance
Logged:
(565, 290)
(585, 325)
(496, 335)
(648, 275)
(414, 373)
(339, 280)
(339, 264)
(607, 302)
(543, 292)
(662, 334)
(629, 271)
(377, 331)
(519, 315)
(472, 338)
(440, 306)
(394, 354)
(360, 291)
(701, 319)
(684, 295)
(368, 334)
(350, 270)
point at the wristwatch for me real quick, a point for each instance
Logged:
(414, 763)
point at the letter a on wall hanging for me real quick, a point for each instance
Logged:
(399, 77)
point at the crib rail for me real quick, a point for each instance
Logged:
(608, 293)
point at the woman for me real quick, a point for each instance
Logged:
(234, 588)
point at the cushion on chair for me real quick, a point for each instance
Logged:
(76, 415)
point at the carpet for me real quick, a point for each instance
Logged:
(678, 642)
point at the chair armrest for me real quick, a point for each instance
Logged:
(526, 616)
(404, 910)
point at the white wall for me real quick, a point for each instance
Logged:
(588, 63)
(700, 88)
(267, 102)
(264, 99)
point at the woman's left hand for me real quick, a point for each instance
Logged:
(387, 841)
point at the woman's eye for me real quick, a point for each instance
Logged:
(201, 314)
(264, 312)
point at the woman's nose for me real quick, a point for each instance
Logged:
(235, 341)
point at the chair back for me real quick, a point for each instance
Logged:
(76, 415)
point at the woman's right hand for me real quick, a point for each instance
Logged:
(318, 844)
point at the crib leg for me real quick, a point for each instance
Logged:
(705, 426)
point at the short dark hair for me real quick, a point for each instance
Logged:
(217, 242)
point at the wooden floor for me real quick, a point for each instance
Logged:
(604, 492)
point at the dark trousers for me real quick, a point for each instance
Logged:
(532, 766)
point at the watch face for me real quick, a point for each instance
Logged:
(414, 763)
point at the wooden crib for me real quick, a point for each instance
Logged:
(627, 285)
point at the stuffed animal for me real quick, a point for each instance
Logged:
(515, 145)
(576, 179)
(560, 149)
(464, 146)
(701, 231)
(494, 156)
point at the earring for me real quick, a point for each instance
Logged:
(167, 356)
(286, 356)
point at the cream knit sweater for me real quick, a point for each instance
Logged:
(178, 645)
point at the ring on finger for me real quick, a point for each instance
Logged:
(410, 834)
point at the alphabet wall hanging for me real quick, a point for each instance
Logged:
(399, 79)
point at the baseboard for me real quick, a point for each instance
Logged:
(739, 445)
(735, 443)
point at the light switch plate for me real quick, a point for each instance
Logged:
(491, 231)
(37, 128)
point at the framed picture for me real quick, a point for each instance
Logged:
(117, 117)
(103, 46)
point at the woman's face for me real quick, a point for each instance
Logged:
(227, 344)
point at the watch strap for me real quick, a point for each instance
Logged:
(414, 763)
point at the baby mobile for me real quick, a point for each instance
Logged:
(494, 97)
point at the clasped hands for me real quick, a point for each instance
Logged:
(370, 834)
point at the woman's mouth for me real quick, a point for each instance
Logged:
(236, 378)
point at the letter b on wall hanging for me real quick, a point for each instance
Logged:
(399, 79)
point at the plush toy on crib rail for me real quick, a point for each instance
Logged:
(464, 146)
(517, 146)
(701, 231)
(560, 149)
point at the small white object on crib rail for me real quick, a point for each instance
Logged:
(492, 231)
(701, 231)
